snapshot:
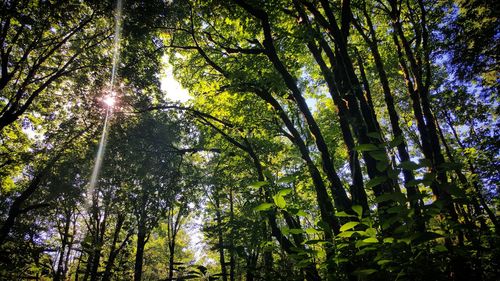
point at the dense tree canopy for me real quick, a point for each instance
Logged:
(322, 140)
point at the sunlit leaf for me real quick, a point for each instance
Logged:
(344, 214)
(279, 201)
(258, 184)
(370, 240)
(263, 207)
(358, 209)
(312, 231)
(348, 225)
(285, 191)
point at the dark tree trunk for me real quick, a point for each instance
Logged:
(232, 260)
(113, 252)
(363, 120)
(404, 156)
(171, 259)
(141, 242)
(98, 239)
(59, 274)
(418, 87)
(220, 236)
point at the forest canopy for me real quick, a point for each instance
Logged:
(314, 140)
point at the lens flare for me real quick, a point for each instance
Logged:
(110, 100)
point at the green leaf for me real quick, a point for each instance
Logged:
(396, 141)
(344, 214)
(364, 272)
(388, 240)
(379, 155)
(428, 178)
(397, 210)
(348, 225)
(366, 249)
(287, 179)
(297, 212)
(323, 225)
(440, 248)
(393, 174)
(258, 184)
(285, 191)
(263, 207)
(346, 234)
(366, 147)
(375, 181)
(382, 262)
(395, 196)
(382, 165)
(296, 231)
(285, 230)
(358, 209)
(370, 240)
(314, 242)
(312, 231)
(372, 232)
(409, 165)
(301, 213)
(279, 201)
(420, 237)
(374, 135)
(456, 191)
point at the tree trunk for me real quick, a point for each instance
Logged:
(397, 132)
(100, 230)
(220, 236)
(59, 274)
(141, 242)
(113, 252)
(171, 259)
(232, 260)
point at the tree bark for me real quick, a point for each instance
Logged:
(113, 252)
(141, 242)
(220, 237)
(397, 132)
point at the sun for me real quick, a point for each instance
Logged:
(110, 100)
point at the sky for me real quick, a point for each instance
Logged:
(172, 89)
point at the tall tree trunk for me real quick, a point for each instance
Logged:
(362, 116)
(171, 259)
(268, 254)
(418, 87)
(357, 190)
(220, 236)
(113, 252)
(310, 270)
(77, 272)
(139, 255)
(59, 274)
(291, 83)
(70, 243)
(477, 188)
(397, 132)
(173, 229)
(322, 195)
(100, 230)
(232, 260)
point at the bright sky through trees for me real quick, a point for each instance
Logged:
(249, 140)
(172, 89)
